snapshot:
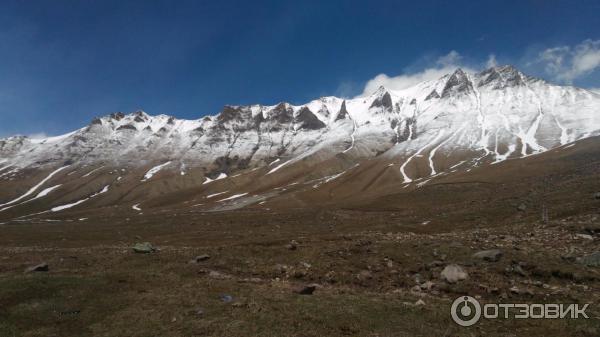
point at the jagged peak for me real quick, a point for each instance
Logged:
(500, 77)
(459, 72)
(308, 120)
(383, 99)
(343, 113)
(457, 83)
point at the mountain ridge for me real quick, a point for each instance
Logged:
(453, 124)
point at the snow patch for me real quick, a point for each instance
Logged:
(278, 167)
(214, 195)
(67, 206)
(208, 180)
(154, 171)
(34, 188)
(92, 171)
(235, 196)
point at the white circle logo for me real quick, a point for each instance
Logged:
(466, 311)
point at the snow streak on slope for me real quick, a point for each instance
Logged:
(63, 207)
(276, 168)
(235, 196)
(221, 176)
(402, 168)
(42, 194)
(432, 153)
(215, 194)
(154, 171)
(73, 204)
(91, 172)
(34, 188)
(354, 127)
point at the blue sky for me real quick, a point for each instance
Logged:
(64, 62)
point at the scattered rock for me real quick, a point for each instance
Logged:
(592, 260)
(517, 269)
(300, 273)
(293, 245)
(364, 275)
(522, 207)
(250, 280)
(518, 291)
(330, 277)
(226, 298)
(597, 195)
(40, 267)
(144, 248)
(419, 303)
(239, 305)
(306, 290)
(435, 263)
(218, 275)
(305, 265)
(200, 258)
(453, 273)
(492, 255)
(585, 236)
(427, 285)
(281, 268)
(418, 278)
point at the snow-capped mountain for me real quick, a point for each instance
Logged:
(453, 123)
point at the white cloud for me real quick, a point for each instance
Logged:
(563, 64)
(491, 62)
(568, 63)
(450, 59)
(443, 65)
(39, 135)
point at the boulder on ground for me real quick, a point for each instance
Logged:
(453, 273)
(293, 245)
(592, 260)
(40, 267)
(144, 248)
(200, 258)
(305, 290)
(491, 255)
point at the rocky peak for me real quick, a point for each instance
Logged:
(501, 77)
(383, 100)
(230, 113)
(433, 94)
(343, 113)
(308, 120)
(140, 116)
(117, 116)
(282, 113)
(458, 83)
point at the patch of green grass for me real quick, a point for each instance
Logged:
(39, 305)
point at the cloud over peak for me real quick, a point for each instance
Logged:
(443, 65)
(568, 63)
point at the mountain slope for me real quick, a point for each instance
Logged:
(254, 153)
